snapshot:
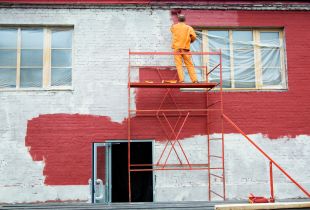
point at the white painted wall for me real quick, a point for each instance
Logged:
(102, 39)
(247, 171)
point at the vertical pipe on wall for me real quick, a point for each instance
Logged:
(128, 130)
(271, 181)
(222, 125)
(93, 175)
(209, 163)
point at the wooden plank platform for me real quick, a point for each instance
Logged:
(258, 206)
(208, 85)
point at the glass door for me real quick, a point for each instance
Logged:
(101, 167)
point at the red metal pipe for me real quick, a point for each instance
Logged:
(175, 169)
(213, 69)
(271, 181)
(181, 165)
(174, 53)
(209, 159)
(216, 156)
(152, 68)
(222, 125)
(170, 115)
(168, 141)
(267, 156)
(174, 110)
(217, 194)
(214, 103)
(216, 176)
(176, 139)
(209, 85)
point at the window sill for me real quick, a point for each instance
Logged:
(236, 89)
(36, 89)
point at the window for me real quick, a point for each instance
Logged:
(251, 59)
(35, 57)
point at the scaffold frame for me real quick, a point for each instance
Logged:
(173, 137)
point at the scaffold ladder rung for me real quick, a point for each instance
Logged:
(215, 139)
(216, 156)
(217, 194)
(221, 177)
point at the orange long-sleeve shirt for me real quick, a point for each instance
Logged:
(182, 36)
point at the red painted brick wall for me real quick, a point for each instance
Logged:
(272, 113)
(63, 140)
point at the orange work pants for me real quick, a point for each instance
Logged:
(188, 63)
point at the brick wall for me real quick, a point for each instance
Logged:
(41, 131)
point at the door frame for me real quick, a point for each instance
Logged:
(108, 173)
(95, 145)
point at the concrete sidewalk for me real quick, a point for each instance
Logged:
(228, 205)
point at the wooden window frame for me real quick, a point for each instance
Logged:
(47, 58)
(257, 58)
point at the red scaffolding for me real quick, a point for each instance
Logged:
(215, 162)
(212, 112)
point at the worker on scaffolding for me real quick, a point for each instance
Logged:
(182, 36)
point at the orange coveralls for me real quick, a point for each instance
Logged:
(182, 36)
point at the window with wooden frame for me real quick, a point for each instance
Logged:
(35, 57)
(251, 58)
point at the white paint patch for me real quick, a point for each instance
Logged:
(101, 42)
(246, 170)
(22, 180)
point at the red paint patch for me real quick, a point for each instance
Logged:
(64, 140)
(274, 114)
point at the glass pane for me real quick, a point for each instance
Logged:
(244, 59)
(245, 78)
(271, 64)
(215, 77)
(61, 77)
(62, 38)
(271, 60)
(8, 58)
(218, 40)
(31, 77)
(7, 78)
(244, 70)
(32, 58)
(242, 39)
(269, 38)
(61, 58)
(32, 38)
(271, 57)
(8, 38)
(214, 60)
(243, 36)
(271, 76)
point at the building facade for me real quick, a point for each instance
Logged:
(63, 85)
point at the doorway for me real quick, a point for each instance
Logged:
(112, 158)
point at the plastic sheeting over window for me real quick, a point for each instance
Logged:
(250, 58)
